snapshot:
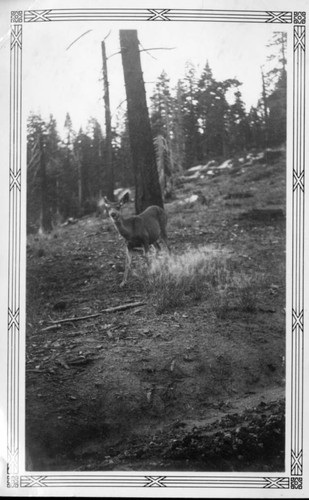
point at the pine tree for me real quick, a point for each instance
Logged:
(123, 167)
(42, 168)
(277, 57)
(238, 125)
(36, 127)
(178, 131)
(206, 109)
(255, 122)
(190, 116)
(53, 165)
(70, 134)
(161, 107)
(69, 189)
(277, 89)
(277, 112)
(97, 173)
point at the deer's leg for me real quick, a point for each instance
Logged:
(157, 248)
(167, 248)
(157, 245)
(146, 247)
(163, 238)
(128, 260)
(164, 244)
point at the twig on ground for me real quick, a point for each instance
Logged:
(109, 309)
(52, 327)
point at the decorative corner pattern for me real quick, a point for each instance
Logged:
(296, 483)
(12, 481)
(299, 17)
(16, 16)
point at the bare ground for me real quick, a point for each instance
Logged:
(195, 388)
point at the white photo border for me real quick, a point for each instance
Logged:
(295, 24)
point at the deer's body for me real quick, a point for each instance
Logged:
(139, 231)
(144, 229)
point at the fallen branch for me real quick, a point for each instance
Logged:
(78, 318)
(110, 309)
(123, 307)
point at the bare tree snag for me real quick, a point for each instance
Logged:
(108, 129)
(147, 185)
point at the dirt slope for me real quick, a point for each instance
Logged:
(198, 387)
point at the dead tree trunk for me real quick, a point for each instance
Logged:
(108, 130)
(147, 185)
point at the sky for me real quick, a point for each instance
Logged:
(59, 77)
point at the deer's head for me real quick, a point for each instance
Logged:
(113, 208)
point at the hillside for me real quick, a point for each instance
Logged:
(188, 382)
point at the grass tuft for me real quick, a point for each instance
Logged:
(174, 280)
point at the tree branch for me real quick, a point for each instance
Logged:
(114, 54)
(155, 48)
(78, 39)
(158, 48)
(107, 35)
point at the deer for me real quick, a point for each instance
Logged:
(138, 231)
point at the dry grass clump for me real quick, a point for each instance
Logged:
(175, 280)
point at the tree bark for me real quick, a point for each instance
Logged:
(147, 185)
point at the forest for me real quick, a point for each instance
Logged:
(199, 120)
